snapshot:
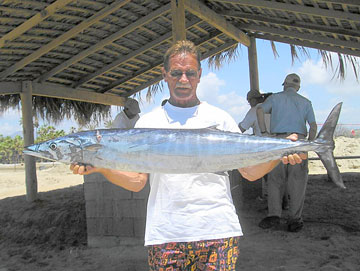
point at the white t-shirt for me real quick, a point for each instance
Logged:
(189, 207)
(250, 121)
(122, 121)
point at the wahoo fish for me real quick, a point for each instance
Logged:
(208, 150)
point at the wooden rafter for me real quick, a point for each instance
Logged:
(303, 36)
(156, 65)
(298, 9)
(308, 44)
(62, 92)
(129, 56)
(69, 34)
(34, 20)
(212, 18)
(178, 20)
(286, 22)
(106, 41)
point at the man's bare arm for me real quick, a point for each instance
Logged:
(254, 173)
(132, 181)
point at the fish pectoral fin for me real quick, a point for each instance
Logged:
(222, 173)
(213, 127)
(93, 147)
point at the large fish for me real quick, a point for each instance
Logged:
(183, 150)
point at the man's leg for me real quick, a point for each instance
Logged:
(297, 182)
(275, 188)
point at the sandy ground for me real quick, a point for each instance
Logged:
(50, 234)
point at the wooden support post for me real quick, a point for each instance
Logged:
(178, 20)
(28, 132)
(253, 65)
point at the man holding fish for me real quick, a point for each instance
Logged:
(191, 220)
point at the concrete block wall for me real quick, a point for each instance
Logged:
(114, 216)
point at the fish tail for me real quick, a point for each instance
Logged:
(326, 139)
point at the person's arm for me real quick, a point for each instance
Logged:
(312, 131)
(254, 173)
(261, 119)
(132, 181)
(241, 128)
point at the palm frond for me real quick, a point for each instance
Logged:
(55, 110)
(294, 54)
(9, 102)
(273, 47)
(231, 54)
(326, 58)
(154, 89)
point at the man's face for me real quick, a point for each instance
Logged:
(182, 79)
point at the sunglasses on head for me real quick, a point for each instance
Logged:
(190, 74)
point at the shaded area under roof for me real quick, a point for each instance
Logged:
(103, 51)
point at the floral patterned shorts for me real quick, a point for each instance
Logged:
(219, 254)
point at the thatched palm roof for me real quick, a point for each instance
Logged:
(104, 51)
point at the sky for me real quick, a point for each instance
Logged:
(227, 87)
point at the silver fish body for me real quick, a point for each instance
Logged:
(175, 150)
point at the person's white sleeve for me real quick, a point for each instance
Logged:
(119, 121)
(247, 122)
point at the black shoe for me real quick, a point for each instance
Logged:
(269, 222)
(295, 226)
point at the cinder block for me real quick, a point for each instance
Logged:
(95, 177)
(143, 194)
(92, 191)
(130, 208)
(105, 226)
(139, 227)
(91, 226)
(117, 192)
(123, 227)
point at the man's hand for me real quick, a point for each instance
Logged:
(83, 169)
(295, 158)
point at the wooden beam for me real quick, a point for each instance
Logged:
(286, 22)
(64, 37)
(34, 20)
(157, 64)
(129, 56)
(303, 36)
(62, 92)
(178, 20)
(307, 44)
(212, 18)
(28, 132)
(9, 88)
(106, 41)
(299, 9)
(253, 65)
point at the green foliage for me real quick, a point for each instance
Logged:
(11, 148)
(48, 132)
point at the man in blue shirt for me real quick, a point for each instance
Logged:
(289, 114)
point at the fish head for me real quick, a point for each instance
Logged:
(66, 149)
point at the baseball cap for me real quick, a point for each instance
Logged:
(292, 79)
(132, 105)
(253, 94)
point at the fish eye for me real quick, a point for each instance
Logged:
(53, 146)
